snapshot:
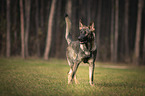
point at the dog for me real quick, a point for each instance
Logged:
(82, 50)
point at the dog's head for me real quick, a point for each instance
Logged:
(86, 33)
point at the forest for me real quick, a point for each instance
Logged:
(36, 28)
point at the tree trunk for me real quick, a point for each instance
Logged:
(69, 8)
(49, 33)
(37, 28)
(59, 34)
(98, 25)
(22, 29)
(138, 32)
(42, 16)
(116, 29)
(74, 19)
(112, 33)
(27, 12)
(15, 43)
(144, 48)
(126, 29)
(88, 12)
(8, 48)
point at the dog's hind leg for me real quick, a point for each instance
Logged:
(70, 71)
(73, 74)
(75, 78)
(69, 76)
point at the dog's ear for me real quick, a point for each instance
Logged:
(80, 25)
(92, 27)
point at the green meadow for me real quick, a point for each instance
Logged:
(37, 77)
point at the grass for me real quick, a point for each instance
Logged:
(35, 77)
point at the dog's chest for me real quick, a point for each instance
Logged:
(84, 49)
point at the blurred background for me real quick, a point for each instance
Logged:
(36, 28)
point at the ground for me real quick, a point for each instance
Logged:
(37, 77)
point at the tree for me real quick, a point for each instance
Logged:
(37, 28)
(22, 29)
(112, 32)
(116, 30)
(42, 16)
(8, 48)
(69, 8)
(14, 28)
(27, 12)
(49, 32)
(59, 34)
(98, 25)
(144, 47)
(126, 29)
(88, 11)
(138, 32)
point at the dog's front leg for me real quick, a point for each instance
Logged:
(91, 71)
(75, 66)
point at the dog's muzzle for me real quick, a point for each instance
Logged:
(82, 39)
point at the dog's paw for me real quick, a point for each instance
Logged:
(77, 82)
(69, 82)
(92, 84)
(69, 79)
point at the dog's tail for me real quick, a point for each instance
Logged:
(68, 36)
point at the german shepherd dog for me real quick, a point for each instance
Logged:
(82, 50)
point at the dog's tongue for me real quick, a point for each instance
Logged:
(82, 42)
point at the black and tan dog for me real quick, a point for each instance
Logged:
(82, 50)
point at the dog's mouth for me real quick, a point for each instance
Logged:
(83, 42)
(82, 39)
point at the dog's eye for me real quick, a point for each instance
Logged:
(83, 32)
